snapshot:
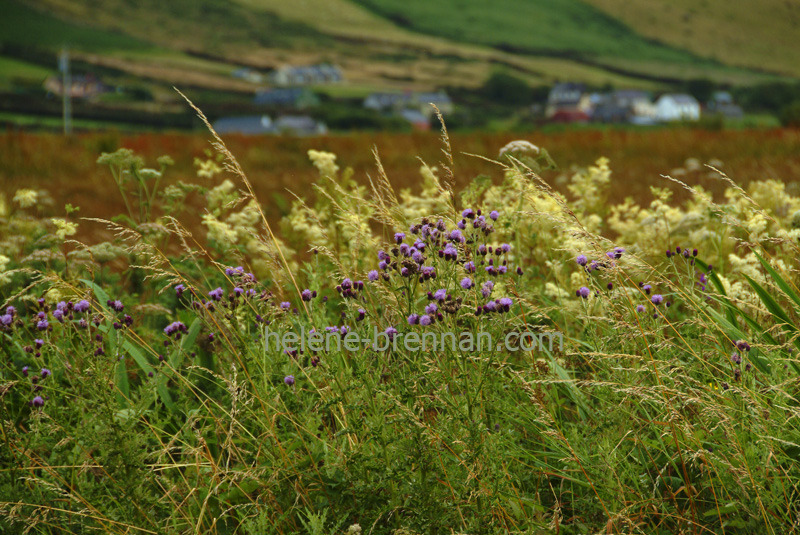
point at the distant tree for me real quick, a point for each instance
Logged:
(503, 88)
(701, 88)
(790, 115)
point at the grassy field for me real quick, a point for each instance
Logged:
(25, 26)
(760, 35)
(478, 355)
(575, 42)
(279, 166)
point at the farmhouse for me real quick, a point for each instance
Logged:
(289, 75)
(81, 86)
(568, 100)
(677, 107)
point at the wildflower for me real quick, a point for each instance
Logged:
(505, 248)
(456, 236)
(42, 325)
(307, 295)
(217, 294)
(45, 373)
(425, 320)
(361, 314)
(399, 237)
(581, 260)
(462, 224)
(467, 283)
(413, 319)
(583, 292)
(505, 304)
(286, 305)
(25, 197)
(24, 371)
(175, 327)
(431, 309)
(657, 299)
(82, 306)
(646, 288)
(64, 228)
(38, 343)
(494, 214)
(742, 345)
(640, 308)
(502, 270)
(482, 250)
(59, 315)
(735, 358)
(486, 288)
(449, 252)
(390, 332)
(37, 401)
(491, 306)
(519, 271)
(469, 267)
(289, 380)
(440, 295)
(418, 257)
(6, 319)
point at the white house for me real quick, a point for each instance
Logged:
(677, 107)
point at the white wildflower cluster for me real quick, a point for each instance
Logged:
(325, 162)
(26, 197)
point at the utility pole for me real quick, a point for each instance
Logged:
(66, 89)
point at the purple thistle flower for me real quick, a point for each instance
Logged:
(399, 237)
(491, 306)
(37, 401)
(450, 252)
(431, 309)
(306, 295)
(25, 371)
(59, 315)
(373, 276)
(456, 236)
(486, 288)
(657, 299)
(640, 308)
(382, 255)
(6, 319)
(42, 325)
(217, 294)
(742, 345)
(494, 214)
(238, 291)
(390, 332)
(467, 283)
(413, 319)
(505, 247)
(646, 288)
(383, 265)
(581, 260)
(425, 320)
(583, 292)
(419, 244)
(462, 224)
(469, 267)
(482, 250)
(736, 358)
(82, 306)
(117, 305)
(11, 311)
(286, 305)
(289, 380)
(502, 270)
(418, 257)
(468, 213)
(45, 373)
(440, 295)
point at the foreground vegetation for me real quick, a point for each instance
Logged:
(143, 399)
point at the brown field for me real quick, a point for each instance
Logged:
(278, 166)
